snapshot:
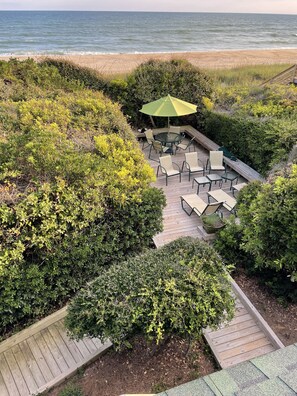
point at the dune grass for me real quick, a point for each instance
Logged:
(244, 75)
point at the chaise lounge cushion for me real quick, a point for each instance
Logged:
(220, 195)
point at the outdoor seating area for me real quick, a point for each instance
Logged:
(197, 184)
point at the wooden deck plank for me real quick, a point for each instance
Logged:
(77, 355)
(25, 370)
(56, 352)
(82, 348)
(40, 360)
(90, 345)
(234, 336)
(3, 388)
(232, 329)
(8, 377)
(46, 352)
(62, 346)
(240, 341)
(237, 319)
(32, 364)
(16, 373)
(247, 356)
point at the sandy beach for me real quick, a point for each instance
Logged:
(113, 64)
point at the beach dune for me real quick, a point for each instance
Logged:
(113, 64)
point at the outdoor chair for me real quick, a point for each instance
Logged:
(158, 147)
(191, 163)
(215, 161)
(175, 129)
(185, 145)
(229, 203)
(198, 206)
(166, 167)
(149, 138)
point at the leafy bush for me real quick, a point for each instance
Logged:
(179, 288)
(74, 196)
(270, 224)
(264, 241)
(28, 79)
(155, 79)
(260, 143)
(90, 78)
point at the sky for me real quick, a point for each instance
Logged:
(250, 6)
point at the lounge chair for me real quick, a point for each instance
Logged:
(191, 163)
(166, 167)
(198, 206)
(149, 136)
(229, 203)
(237, 187)
(215, 161)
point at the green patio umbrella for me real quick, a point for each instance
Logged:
(168, 107)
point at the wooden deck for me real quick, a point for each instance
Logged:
(42, 356)
(247, 335)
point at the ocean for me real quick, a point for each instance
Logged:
(76, 32)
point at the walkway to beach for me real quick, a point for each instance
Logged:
(42, 356)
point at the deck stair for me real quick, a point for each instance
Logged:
(245, 337)
(286, 77)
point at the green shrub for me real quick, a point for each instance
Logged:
(270, 224)
(259, 143)
(179, 288)
(74, 193)
(90, 78)
(155, 79)
(28, 79)
(264, 242)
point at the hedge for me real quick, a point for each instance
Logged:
(75, 192)
(260, 143)
(180, 288)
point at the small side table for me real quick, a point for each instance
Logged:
(237, 187)
(214, 178)
(229, 176)
(201, 181)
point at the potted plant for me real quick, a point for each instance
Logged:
(212, 223)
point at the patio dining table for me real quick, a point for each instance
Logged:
(169, 139)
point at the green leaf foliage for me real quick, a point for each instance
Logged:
(179, 288)
(264, 241)
(75, 192)
(88, 77)
(155, 79)
(258, 142)
(270, 224)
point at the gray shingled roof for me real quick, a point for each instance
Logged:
(273, 374)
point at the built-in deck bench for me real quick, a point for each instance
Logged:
(240, 167)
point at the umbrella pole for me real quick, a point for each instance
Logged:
(152, 121)
(168, 122)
